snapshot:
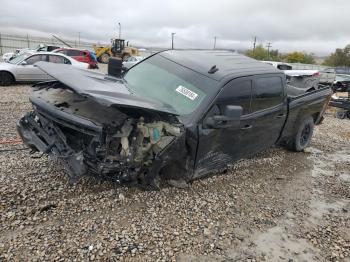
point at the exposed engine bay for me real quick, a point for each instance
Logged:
(125, 144)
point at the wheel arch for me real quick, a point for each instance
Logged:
(13, 76)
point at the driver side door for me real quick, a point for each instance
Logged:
(218, 147)
(28, 72)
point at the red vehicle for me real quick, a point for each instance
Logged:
(80, 55)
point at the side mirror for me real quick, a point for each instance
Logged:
(230, 118)
(233, 112)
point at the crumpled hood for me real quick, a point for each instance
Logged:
(104, 89)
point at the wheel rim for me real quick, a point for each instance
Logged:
(104, 58)
(305, 134)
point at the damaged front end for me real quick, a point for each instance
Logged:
(125, 144)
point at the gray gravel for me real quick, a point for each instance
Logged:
(277, 206)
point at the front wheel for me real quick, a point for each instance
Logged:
(104, 58)
(6, 78)
(302, 137)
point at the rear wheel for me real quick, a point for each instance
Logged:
(348, 114)
(6, 78)
(341, 114)
(302, 137)
(104, 58)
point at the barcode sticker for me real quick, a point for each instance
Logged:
(186, 92)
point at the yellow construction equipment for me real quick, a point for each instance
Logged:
(116, 49)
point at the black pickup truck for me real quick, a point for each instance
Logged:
(176, 116)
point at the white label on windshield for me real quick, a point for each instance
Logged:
(186, 92)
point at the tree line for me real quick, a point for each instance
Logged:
(340, 57)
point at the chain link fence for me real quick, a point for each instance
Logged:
(8, 42)
(11, 42)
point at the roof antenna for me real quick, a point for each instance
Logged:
(213, 69)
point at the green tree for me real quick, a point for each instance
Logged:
(261, 53)
(340, 57)
(300, 57)
(309, 58)
(295, 57)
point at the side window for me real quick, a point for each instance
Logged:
(284, 67)
(35, 58)
(74, 53)
(56, 59)
(213, 111)
(238, 93)
(267, 92)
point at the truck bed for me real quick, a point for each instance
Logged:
(312, 103)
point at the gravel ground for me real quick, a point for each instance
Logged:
(277, 206)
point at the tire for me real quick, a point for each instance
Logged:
(302, 137)
(104, 58)
(341, 114)
(348, 114)
(6, 78)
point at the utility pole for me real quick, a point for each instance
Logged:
(120, 30)
(0, 45)
(254, 45)
(79, 39)
(28, 40)
(214, 42)
(268, 50)
(172, 40)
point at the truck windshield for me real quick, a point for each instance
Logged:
(165, 81)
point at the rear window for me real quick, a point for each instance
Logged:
(267, 92)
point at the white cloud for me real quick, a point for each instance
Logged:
(310, 25)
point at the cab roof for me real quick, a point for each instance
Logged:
(218, 64)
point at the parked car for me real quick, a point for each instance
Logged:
(131, 61)
(7, 56)
(343, 105)
(40, 48)
(308, 79)
(22, 68)
(178, 115)
(279, 65)
(83, 56)
(341, 83)
(327, 74)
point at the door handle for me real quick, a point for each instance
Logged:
(280, 115)
(246, 127)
